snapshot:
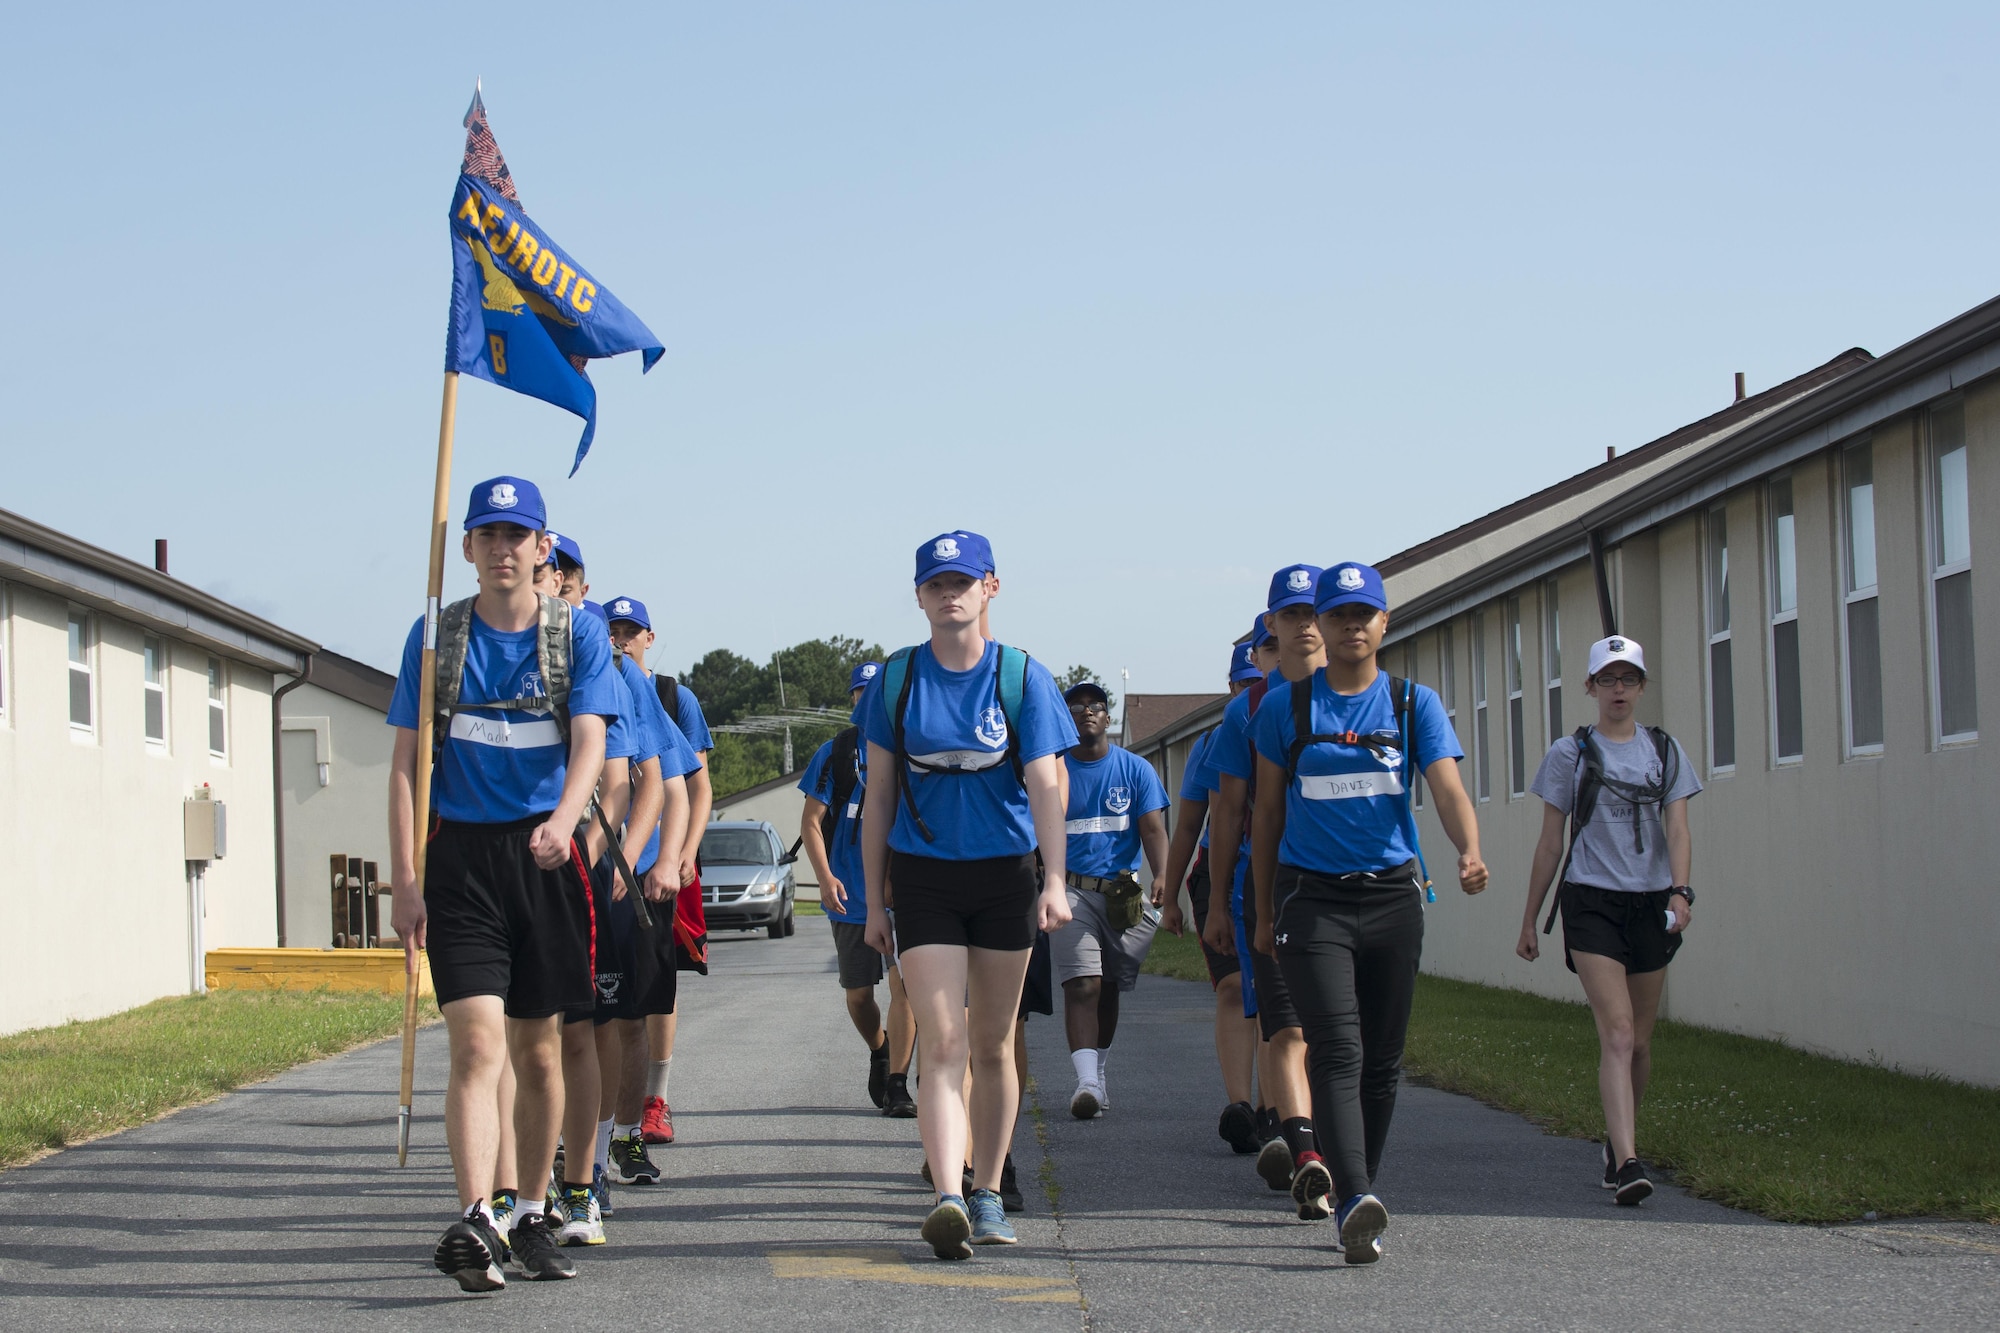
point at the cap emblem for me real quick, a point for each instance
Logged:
(1348, 579)
(946, 549)
(503, 496)
(1616, 645)
(1298, 580)
(868, 671)
(622, 607)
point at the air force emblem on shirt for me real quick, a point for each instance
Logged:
(946, 549)
(992, 728)
(503, 496)
(1118, 800)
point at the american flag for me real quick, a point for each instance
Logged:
(482, 154)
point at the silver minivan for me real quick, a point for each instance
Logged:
(746, 877)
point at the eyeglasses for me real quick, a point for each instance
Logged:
(1607, 682)
(1089, 708)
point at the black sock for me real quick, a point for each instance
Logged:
(1298, 1132)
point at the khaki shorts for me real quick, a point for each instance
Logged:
(1088, 947)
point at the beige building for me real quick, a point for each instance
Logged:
(335, 744)
(1815, 605)
(123, 693)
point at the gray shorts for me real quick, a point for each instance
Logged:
(1088, 947)
(860, 966)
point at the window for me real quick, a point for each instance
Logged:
(1860, 606)
(156, 691)
(1787, 710)
(1517, 731)
(1957, 703)
(1482, 783)
(218, 709)
(1721, 681)
(1552, 659)
(81, 715)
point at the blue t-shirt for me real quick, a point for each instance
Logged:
(955, 720)
(660, 739)
(1344, 813)
(843, 851)
(1192, 787)
(499, 766)
(1106, 798)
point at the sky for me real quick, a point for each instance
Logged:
(1158, 297)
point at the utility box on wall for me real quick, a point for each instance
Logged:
(206, 828)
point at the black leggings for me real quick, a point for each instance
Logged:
(1348, 946)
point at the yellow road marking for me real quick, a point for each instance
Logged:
(1960, 1241)
(887, 1265)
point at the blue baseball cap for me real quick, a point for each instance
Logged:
(597, 609)
(565, 546)
(1347, 584)
(506, 500)
(1259, 636)
(630, 608)
(1292, 586)
(954, 553)
(1242, 663)
(864, 673)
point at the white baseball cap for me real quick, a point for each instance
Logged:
(1617, 648)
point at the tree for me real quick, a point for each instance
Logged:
(1077, 675)
(731, 688)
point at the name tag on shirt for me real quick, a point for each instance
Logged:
(964, 761)
(1345, 786)
(505, 735)
(1099, 824)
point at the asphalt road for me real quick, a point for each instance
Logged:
(789, 1200)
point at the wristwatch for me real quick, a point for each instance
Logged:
(1684, 891)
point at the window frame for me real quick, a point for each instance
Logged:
(156, 646)
(1851, 596)
(1936, 570)
(87, 730)
(1725, 635)
(1552, 680)
(1776, 618)
(1482, 777)
(1514, 678)
(218, 703)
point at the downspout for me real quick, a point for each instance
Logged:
(1605, 615)
(278, 784)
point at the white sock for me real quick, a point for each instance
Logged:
(1103, 1054)
(656, 1077)
(630, 1131)
(603, 1157)
(531, 1207)
(1085, 1061)
(483, 1208)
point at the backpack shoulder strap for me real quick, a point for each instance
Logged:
(896, 680)
(1302, 725)
(669, 691)
(552, 651)
(1011, 688)
(1583, 803)
(454, 634)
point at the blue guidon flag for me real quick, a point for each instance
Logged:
(524, 315)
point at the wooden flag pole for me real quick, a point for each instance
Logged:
(426, 727)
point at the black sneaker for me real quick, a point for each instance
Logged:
(1010, 1188)
(470, 1253)
(1274, 1163)
(1238, 1128)
(630, 1163)
(897, 1103)
(535, 1252)
(1267, 1125)
(1632, 1183)
(1610, 1168)
(878, 1072)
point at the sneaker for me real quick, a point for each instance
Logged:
(470, 1253)
(505, 1204)
(581, 1220)
(657, 1124)
(1632, 1183)
(1238, 1128)
(1267, 1125)
(556, 1171)
(948, 1227)
(1363, 1219)
(1103, 1092)
(535, 1252)
(1274, 1163)
(1311, 1184)
(989, 1219)
(1087, 1102)
(630, 1165)
(1610, 1168)
(897, 1103)
(878, 1072)
(1010, 1188)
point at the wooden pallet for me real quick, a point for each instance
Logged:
(312, 969)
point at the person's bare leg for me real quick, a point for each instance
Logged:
(935, 975)
(631, 1103)
(902, 1027)
(1021, 1052)
(1288, 1090)
(536, 1048)
(1645, 989)
(994, 977)
(505, 1168)
(476, 1028)
(1107, 1014)
(610, 1039)
(865, 1014)
(582, 1089)
(1082, 1002)
(1604, 985)
(1235, 1041)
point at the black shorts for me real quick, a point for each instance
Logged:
(1630, 927)
(860, 966)
(635, 968)
(501, 925)
(1275, 1010)
(1220, 965)
(986, 904)
(1038, 987)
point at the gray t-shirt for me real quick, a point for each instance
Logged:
(1608, 854)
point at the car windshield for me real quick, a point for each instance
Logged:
(736, 847)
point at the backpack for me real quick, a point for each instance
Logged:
(1011, 670)
(836, 785)
(552, 646)
(1402, 697)
(669, 691)
(1592, 780)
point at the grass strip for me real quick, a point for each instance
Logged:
(1748, 1122)
(1176, 956)
(64, 1085)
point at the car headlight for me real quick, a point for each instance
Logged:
(768, 889)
